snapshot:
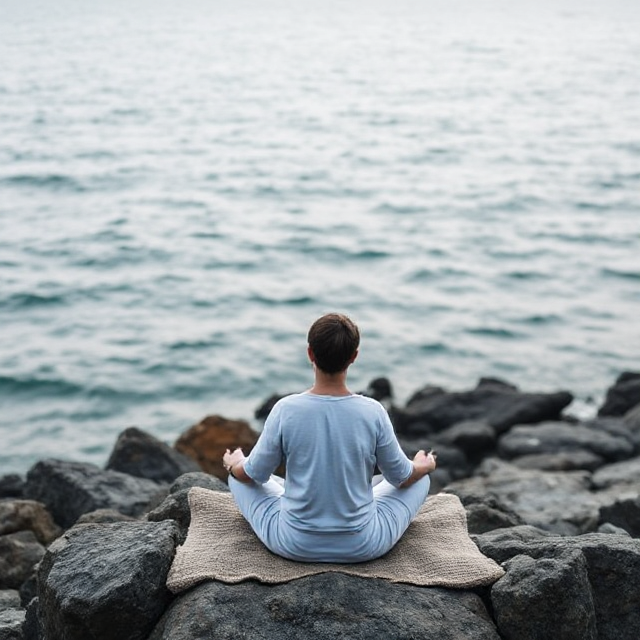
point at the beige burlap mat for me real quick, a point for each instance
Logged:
(435, 550)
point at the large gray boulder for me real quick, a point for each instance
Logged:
(562, 437)
(70, 489)
(106, 581)
(176, 505)
(19, 554)
(545, 599)
(557, 502)
(499, 404)
(613, 568)
(324, 607)
(142, 455)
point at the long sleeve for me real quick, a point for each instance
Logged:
(267, 454)
(390, 457)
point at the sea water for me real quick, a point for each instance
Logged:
(185, 187)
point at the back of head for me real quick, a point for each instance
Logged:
(334, 339)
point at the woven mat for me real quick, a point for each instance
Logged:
(436, 550)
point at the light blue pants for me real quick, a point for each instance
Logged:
(395, 509)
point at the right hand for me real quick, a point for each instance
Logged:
(425, 462)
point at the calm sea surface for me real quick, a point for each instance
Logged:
(185, 186)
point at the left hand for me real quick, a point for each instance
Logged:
(230, 459)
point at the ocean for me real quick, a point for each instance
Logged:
(185, 187)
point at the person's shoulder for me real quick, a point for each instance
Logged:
(369, 403)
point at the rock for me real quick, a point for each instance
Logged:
(607, 527)
(613, 567)
(474, 438)
(32, 629)
(329, 605)
(70, 489)
(11, 621)
(379, 389)
(557, 502)
(626, 472)
(622, 396)
(574, 461)
(207, 441)
(545, 598)
(499, 404)
(11, 486)
(19, 554)
(103, 516)
(561, 437)
(263, 411)
(22, 515)
(142, 455)
(106, 581)
(197, 479)
(9, 599)
(29, 588)
(632, 419)
(486, 512)
(176, 504)
(623, 513)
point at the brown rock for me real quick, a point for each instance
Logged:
(207, 441)
(28, 515)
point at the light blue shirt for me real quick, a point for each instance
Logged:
(330, 445)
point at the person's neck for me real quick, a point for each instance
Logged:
(326, 384)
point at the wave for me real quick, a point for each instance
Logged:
(494, 332)
(53, 181)
(39, 386)
(623, 274)
(31, 300)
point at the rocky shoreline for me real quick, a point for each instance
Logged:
(85, 551)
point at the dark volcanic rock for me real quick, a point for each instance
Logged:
(28, 515)
(19, 554)
(613, 567)
(558, 502)
(486, 512)
(176, 504)
(320, 607)
(561, 437)
(545, 598)
(623, 396)
(11, 486)
(106, 582)
(70, 489)
(626, 472)
(497, 403)
(11, 621)
(142, 455)
(32, 629)
(623, 513)
(474, 438)
(568, 461)
(263, 411)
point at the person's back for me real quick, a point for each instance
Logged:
(330, 440)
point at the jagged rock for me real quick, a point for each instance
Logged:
(574, 461)
(618, 473)
(624, 513)
(207, 441)
(330, 605)
(613, 567)
(623, 396)
(23, 515)
(558, 502)
(11, 621)
(102, 516)
(499, 404)
(486, 512)
(70, 489)
(561, 437)
(522, 599)
(11, 486)
(176, 504)
(142, 455)
(106, 581)
(9, 599)
(474, 438)
(263, 411)
(19, 554)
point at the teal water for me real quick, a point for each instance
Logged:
(185, 187)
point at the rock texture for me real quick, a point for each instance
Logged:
(28, 515)
(106, 582)
(70, 489)
(322, 607)
(142, 455)
(19, 554)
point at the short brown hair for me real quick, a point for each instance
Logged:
(334, 339)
